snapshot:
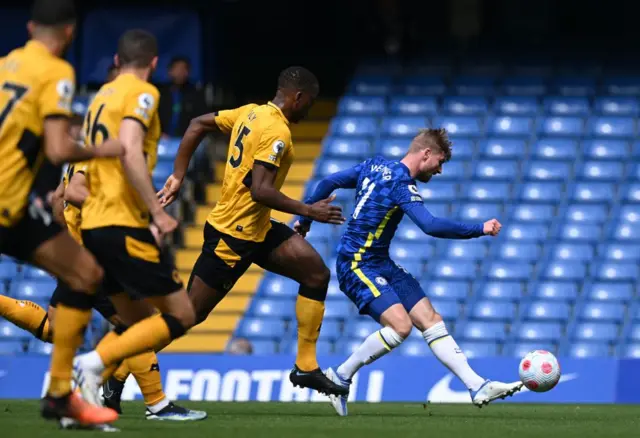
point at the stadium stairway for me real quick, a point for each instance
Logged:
(214, 333)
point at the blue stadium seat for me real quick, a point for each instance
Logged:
(371, 85)
(273, 308)
(573, 126)
(479, 349)
(635, 149)
(332, 165)
(497, 147)
(362, 105)
(439, 191)
(580, 232)
(475, 212)
(502, 290)
(487, 191)
(516, 105)
(414, 105)
(593, 192)
(392, 148)
(8, 331)
(162, 170)
(347, 147)
(618, 271)
(446, 290)
(496, 170)
(601, 170)
(33, 273)
(546, 311)
(11, 347)
(526, 232)
(414, 348)
(263, 347)
(493, 310)
(555, 148)
(539, 331)
(565, 270)
(556, 290)
(612, 126)
(347, 347)
(520, 349)
(465, 149)
(606, 291)
(573, 252)
(632, 193)
(630, 213)
(453, 269)
(516, 250)
(410, 231)
(474, 85)
(587, 213)
(624, 252)
(622, 85)
(634, 332)
(456, 170)
(334, 286)
(360, 329)
(588, 349)
(33, 290)
(409, 251)
(449, 310)
(542, 192)
(598, 311)
(510, 271)
(574, 85)
(631, 351)
(548, 170)
(168, 148)
(403, 125)
(322, 231)
(605, 149)
(422, 85)
(354, 126)
(278, 286)
(262, 328)
(509, 125)
(459, 125)
(330, 330)
(465, 250)
(8, 270)
(341, 308)
(566, 105)
(465, 105)
(524, 85)
(617, 106)
(533, 212)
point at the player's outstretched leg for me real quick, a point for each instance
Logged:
(27, 315)
(445, 348)
(295, 258)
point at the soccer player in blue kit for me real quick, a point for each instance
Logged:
(386, 191)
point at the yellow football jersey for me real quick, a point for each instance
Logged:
(34, 85)
(112, 200)
(258, 133)
(72, 214)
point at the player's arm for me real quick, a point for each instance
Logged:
(77, 190)
(57, 204)
(200, 126)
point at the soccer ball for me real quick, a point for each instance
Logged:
(539, 371)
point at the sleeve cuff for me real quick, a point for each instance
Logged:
(266, 164)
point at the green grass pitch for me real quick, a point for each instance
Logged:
(20, 419)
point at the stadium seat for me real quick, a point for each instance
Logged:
(632, 193)
(533, 212)
(410, 231)
(601, 171)
(403, 125)
(360, 329)
(502, 290)
(516, 105)
(631, 351)
(510, 271)
(11, 347)
(464, 149)
(588, 349)
(517, 250)
(606, 291)
(277, 286)
(622, 85)
(493, 310)
(605, 149)
(346, 147)
(574, 85)
(539, 331)
(599, 311)
(479, 212)
(617, 106)
(556, 126)
(624, 252)
(392, 148)
(630, 213)
(422, 85)
(580, 232)
(524, 85)
(486, 191)
(496, 170)
(479, 349)
(573, 252)
(168, 148)
(414, 348)
(555, 148)
(447, 290)
(360, 126)
(371, 85)
(520, 349)
(617, 271)
(330, 330)
(449, 310)
(273, 308)
(510, 126)
(592, 192)
(565, 270)
(409, 251)
(341, 308)
(546, 311)
(556, 290)
(33, 289)
(566, 105)
(362, 105)
(8, 270)
(498, 148)
(328, 166)
(439, 191)
(162, 170)
(607, 126)
(587, 213)
(32, 273)
(454, 170)
(413, 105)
(459, 125)
(262, 328)
(548, 170)
(465, 105)
(542, 192)
(481, 331)
(526, 232)
(465, 250)
(8, 331)
(263, 347)
(474, 85)
(453, 270)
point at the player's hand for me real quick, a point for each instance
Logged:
(110, 148)
(301, 228)
(165, 223)
(170, 190)
(157, 236)
(492, 227)
(324, 211)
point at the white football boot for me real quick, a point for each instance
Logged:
(339, 402)
(88, 380)
(490, 391)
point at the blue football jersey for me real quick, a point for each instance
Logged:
(385, 190)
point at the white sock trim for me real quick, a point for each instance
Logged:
(390, 337)
(436, 331)
(159, 406)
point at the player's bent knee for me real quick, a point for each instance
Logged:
(402, 327)
(87, 279)
(318, 279)
(176, 327)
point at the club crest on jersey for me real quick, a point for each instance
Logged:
(413, 189)
(381, 281)
(65, 89)
(145, 103)
(278, 146)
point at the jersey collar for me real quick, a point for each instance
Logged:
(37, 47)
(277, 108)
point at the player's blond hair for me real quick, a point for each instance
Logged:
(436, 139)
